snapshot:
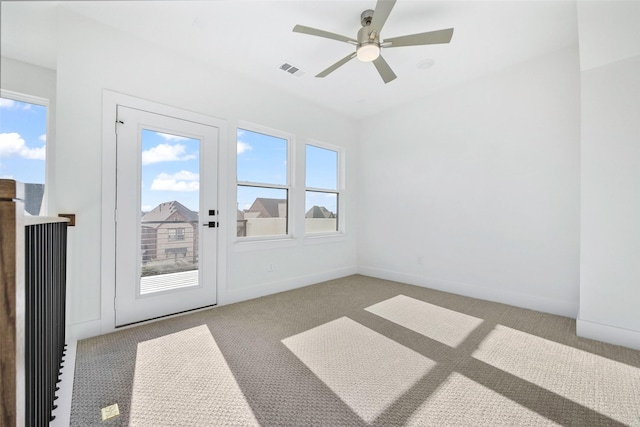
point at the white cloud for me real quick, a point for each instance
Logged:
(7, 103)
(169, 137)
(182, 175)
(179, 181)
(12, 144)
(166, 153)
(243, 146)
(43, 137)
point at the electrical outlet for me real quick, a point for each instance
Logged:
(419, 260)
(271, 267)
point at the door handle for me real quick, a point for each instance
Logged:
(211, 224)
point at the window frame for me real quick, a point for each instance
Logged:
(48, 162)
(176, 234)
(339, 191)
(277, 239)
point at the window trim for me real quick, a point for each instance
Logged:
(271, 240)
(49, 161)
(321, 237)
(174, 236)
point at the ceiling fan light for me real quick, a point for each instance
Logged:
(368, 52)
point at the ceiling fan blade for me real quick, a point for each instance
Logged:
(384, 70)
(321, 33)
(337, 65)
(431, 37)
(381, 13)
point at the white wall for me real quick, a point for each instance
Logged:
(93, 57)
(475, 190)
(610, 176)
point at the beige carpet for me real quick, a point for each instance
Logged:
(354, 352)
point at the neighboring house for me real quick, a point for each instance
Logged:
(268, 208)
(170, 233)
(241, 224)
(319, 212)
(268, 217)
(264, 217)
(319, 219)
(33, 195)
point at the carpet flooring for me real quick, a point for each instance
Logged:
(357, 351)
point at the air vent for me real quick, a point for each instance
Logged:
(292, 69)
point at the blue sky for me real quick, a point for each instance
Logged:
(170, 170)
(23, 129)
(170, 164)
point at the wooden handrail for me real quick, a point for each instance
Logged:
(13, 302)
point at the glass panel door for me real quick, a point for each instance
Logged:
(163, 215)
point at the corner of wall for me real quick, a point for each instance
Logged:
(607, 333)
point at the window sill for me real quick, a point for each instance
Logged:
(265, 243)
(320, 238)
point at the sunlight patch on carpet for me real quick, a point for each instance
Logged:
(183, 379)
(365, 369)
(603, 385)
(441, 324)
(461, 401)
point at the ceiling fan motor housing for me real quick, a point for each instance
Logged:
(364, 34)
(366, 17)
(368, 44)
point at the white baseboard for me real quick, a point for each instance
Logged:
(80, 331)
(607, 333)
(229, 297)
(532, 302)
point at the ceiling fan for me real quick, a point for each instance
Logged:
(368, 44)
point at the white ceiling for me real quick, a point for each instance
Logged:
(254, 38)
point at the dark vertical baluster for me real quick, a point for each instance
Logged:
(42, 392)
(29, 335)
(57, 359)
(45, 281)
(36, 329)
(47, 323)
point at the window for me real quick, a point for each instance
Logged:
(263, 183)
(176, 253)
(176, 234)
(23, 138)
(322, 196)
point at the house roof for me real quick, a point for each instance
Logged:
(319, 212)
(170, 211)
(268, 208)
(33, 194)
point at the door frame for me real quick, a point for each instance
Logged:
(110, 100)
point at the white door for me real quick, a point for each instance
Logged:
(166, 215)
